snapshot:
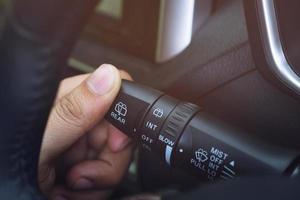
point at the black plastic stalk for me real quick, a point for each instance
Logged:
(130, 107)
(186, 137)
(214, 150)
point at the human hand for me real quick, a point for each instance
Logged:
(78, 143)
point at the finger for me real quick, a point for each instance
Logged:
(98, 136)
(75, 154)
(64, 193)
(78, 111)
(87, 147)
(117, 140)
(104, 173)
(125, 75)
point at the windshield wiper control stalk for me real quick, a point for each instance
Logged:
(186, 137)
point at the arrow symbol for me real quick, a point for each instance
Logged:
(232, 163)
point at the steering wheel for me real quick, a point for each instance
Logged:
(35, 44)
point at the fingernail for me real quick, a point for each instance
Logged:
(102, 80)
(59, 198)
(83, 184)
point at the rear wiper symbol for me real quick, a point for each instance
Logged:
(121, 109)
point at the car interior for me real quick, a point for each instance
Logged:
(238, 60)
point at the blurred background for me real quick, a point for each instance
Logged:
(141, 37)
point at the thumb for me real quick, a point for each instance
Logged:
(77, 112)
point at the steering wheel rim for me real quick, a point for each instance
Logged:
(36, 42)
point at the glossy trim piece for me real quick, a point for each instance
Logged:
(273, 46)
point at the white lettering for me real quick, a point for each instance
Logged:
(213, 166)
(118, 118)
(215, 159)
(151, 126)
(147, 139)
(198, 164)
(166, 140)
(218, 153)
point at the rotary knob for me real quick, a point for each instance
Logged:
(173, 128)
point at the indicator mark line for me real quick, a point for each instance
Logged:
(230, 170)
(225, 173)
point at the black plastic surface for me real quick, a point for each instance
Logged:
(131, 106)
(271, 188)
(213, 150)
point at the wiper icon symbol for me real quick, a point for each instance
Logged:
(121, 109)
(201, 155)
